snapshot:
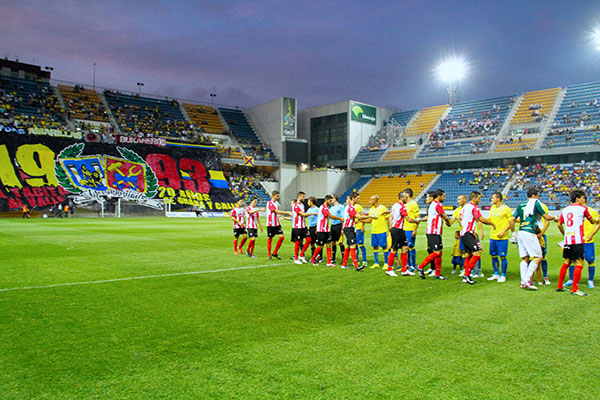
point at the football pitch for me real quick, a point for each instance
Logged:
(158, 308)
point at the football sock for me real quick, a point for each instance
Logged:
(235, 245)
(386, 254)
(428, 259)
(438, 265)
(571, 269)
(466, 263)
(576, 278)
(545, 268)
(315, 254)
(353, 255)
(523, 267)
(562, 273)
(376, 257)
(591, 272)
(363, 253)
(334, 250)
(504, 265)
(278, 245)
(251, 247)
(269, 242)
(404, 261)
(472, 262)
(296, 249)
(346, 254)
(412, 257)
(329, 255)
(477, 266)
(242, 244)
(306, 244)
(495, 264)
(530, 270)
(342, 248)
(390, 260)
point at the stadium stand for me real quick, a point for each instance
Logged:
(474, 118)
(516, 145)
(388, 187)
(30, 103)
(245, 135)
(426, 120)
(205, 118)
(556, 181)
(577, 122)
(362, 181)
(400, 154)
(83, 103)
(403, 117)
(230, 152)
(457, 182)
(535, 106)
(456, 147)
(248, 185)
(369, 154)
(144, 116)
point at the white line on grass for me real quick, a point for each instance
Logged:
(132, 278)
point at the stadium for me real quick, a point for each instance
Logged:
(120, 281)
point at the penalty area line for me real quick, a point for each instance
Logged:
(133, 278)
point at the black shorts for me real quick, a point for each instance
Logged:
(298, 234)
(470, 243)
(573, 252)
(336, 232)
(398, 239)
(274, 230)
(434, 242)
(350, 234)
(252, 232)
(323, 238)
(239, 232)
(312, 231)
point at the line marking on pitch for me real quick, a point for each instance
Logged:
(132, 278)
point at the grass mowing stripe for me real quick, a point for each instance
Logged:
(131, 278)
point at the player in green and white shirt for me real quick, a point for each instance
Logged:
(530, 215)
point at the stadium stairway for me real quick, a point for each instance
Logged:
(551, 117)
(426, 120)
(111, 117)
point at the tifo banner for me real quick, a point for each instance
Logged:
(363, 113)
(40, 172)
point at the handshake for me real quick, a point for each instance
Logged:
(513, 238)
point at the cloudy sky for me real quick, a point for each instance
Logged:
(250, 52)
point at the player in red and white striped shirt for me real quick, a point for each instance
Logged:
(573, 217)
(323, 234)
(273, 224)
(349, 224)
(238, 217)
(397, 217)
(469, 216)
(252, 224)
(299, 230)
(435, 215)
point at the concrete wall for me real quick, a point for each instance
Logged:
(323, 182)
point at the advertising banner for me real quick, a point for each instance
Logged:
(289, 117)
(363, 113)
(41, 172)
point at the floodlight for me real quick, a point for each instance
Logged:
(452, 69)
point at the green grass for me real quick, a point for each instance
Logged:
(283, 331)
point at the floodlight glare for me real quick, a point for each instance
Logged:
(596, 38)
(452, 69)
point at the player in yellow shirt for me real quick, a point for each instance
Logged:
(589, 249)
(500, 215)
(410, 228)
(379, 230)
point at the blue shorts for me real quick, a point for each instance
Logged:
(379, 240)
(590, 252)
(545, 246)
(410, 239)
(498, 247)
(457, 260)
(360, 237)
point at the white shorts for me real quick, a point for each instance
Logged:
(529, 245)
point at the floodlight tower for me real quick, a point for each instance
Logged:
(451, 71)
